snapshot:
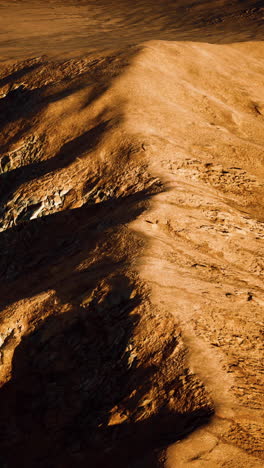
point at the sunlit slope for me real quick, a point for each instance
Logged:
(132, 243)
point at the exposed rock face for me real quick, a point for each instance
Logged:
(132, 240)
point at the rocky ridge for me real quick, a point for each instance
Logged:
(125, 211)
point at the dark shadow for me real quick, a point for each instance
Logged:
(74, 367)
(12, 180)
(20, 109)
(24, 103)
(61, 241)
(67, 376)
(19, 102)
(18, 74)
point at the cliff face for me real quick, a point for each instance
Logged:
(132, 238)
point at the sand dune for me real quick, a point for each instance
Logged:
(73, 28)
(131, 233)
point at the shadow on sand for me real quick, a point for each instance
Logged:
(73, 367)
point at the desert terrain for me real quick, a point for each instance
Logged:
(131, 233)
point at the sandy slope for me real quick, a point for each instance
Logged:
(206, 230)
(72, 28)
(132, 241)
(91, 369)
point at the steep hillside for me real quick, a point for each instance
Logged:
(131, 232)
